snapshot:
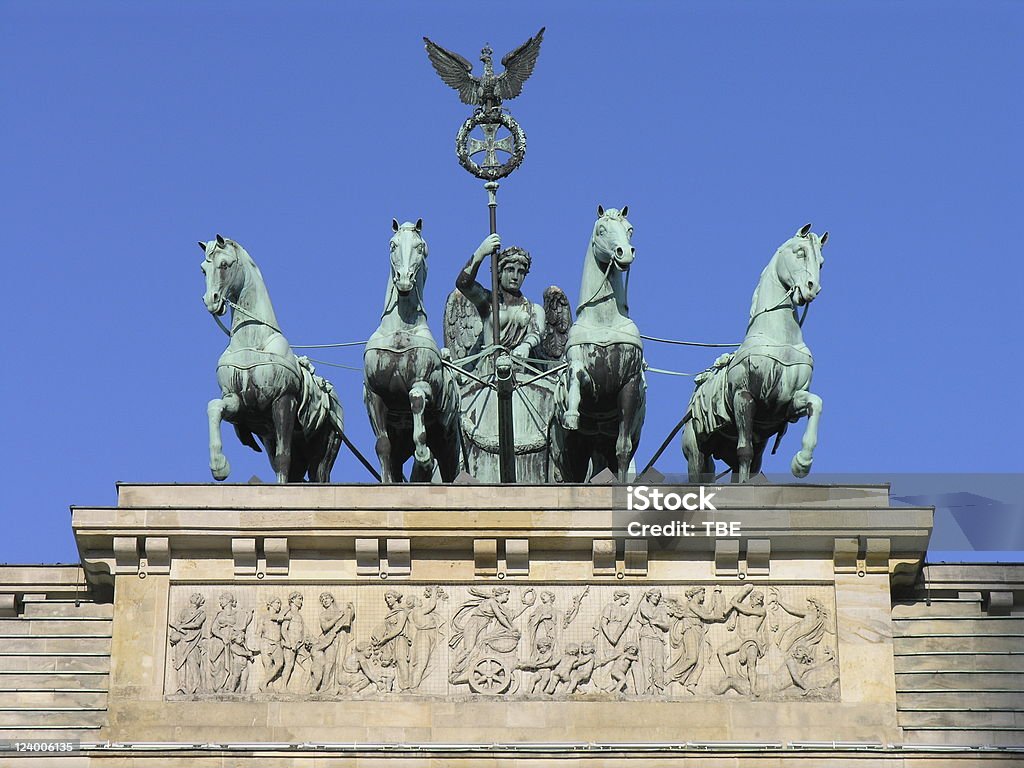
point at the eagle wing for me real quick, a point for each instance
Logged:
(557, 320)
(518, 67)
(455, 71)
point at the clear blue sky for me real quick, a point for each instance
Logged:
(131, 130)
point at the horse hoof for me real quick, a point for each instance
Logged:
(220, 468)
(571, 419)
(801, 465)
(422, 455)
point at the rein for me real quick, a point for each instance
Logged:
(604, 276)
(247, 313)
(787, 300)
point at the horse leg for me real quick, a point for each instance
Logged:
(575, 374)
(629, 409)
(419, 399)
(225, 408)
(809, 403)
(326, 454)
(282, 413)
(699, 467)
(743, 413)
(378, 413)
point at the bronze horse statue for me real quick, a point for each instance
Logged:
(266, 390)
(601, 398)
(412, 400)
(751, 395)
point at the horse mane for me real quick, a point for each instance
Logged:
(760, 280)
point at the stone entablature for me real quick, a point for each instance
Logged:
(396, 552)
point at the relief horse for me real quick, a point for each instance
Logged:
(751, 395)
(601, 398)
(412, 400)
(266, 390)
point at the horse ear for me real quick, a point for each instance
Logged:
(202, 246)
(802, 232)
(419, 225)
(624, 211)
(600, 210)
(824, 239)
(220, 242)
(394, 224)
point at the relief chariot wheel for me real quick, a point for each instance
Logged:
(490, 676)
(491, 123)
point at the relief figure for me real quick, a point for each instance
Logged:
(335, 626)
(538, 667)
(750, 642)
(612, 623)
(811, 627)
(270, 639)
(654, 624)
(357, 671)
(618, 673)
(293, 634)
(221, 628)
(424, 627)
(391, 641)
(688, 644)
(186, 637)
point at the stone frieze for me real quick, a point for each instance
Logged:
(524, 641)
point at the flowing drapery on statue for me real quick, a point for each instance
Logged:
(601, 398)
(412, 400)
(535, 337)
(266, 390)
(751, 395)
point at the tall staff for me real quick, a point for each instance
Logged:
(486, 94)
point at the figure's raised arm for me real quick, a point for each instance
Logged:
(467, 283)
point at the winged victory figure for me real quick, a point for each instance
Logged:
(489, 90)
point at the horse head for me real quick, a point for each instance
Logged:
(798, 264)
(408, 257)
(610, 241)
(224, 267)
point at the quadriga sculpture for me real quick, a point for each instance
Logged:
(412, 400)
(601, 399)
(266, 390)
(752, 394)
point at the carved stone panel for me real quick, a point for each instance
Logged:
(534, 641)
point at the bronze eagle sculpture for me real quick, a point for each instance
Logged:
(488, 90)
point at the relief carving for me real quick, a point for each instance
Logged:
(528, 640)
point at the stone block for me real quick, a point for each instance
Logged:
(275, 552)
(759, 553)
(603, 554)
(727, 556)
(399, 557)
(243, 552)
(485, 557)
(635, 557)
(517, 557)
(158, 554)
(368, 557)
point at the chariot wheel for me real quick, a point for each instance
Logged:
(490, 676)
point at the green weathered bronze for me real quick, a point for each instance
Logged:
(266, 391)
(601, 400)
(412, 400)
(535, 339)
(751, 395)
